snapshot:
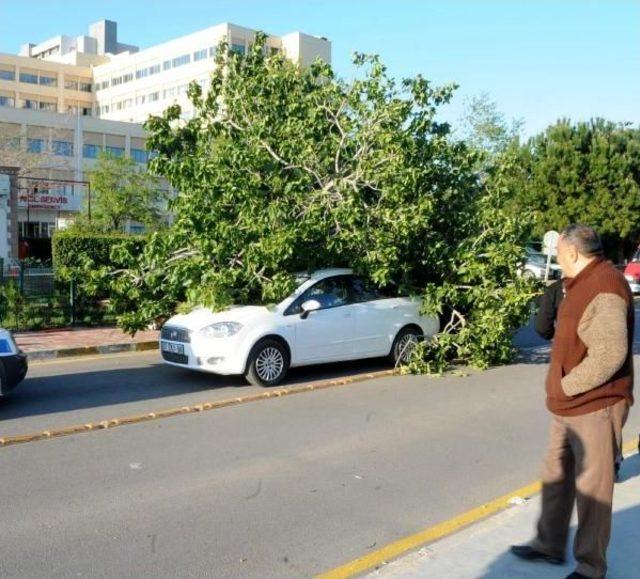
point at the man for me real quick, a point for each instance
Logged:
(589, 391)
(545, 321)
(545, 326)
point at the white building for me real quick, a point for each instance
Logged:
(64, 100)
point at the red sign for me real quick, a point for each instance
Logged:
(53, 199)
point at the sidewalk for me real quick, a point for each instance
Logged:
(82, 341)
(481, 551)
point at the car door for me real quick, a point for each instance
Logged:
(375, 319)
(325, 335)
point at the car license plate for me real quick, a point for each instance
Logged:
(171, 347)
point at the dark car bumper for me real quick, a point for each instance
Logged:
(15, 369)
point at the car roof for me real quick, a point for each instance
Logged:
(329, 272)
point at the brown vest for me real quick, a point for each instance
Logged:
(569, 350)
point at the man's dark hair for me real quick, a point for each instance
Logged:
(585, 239)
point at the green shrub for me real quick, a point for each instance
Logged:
(76, 255)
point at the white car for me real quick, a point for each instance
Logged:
(332, 316)
(536, 265)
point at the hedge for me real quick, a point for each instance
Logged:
(69, 249)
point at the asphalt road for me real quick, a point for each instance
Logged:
(65, 392)
(286, 487)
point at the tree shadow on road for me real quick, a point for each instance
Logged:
(63, 392)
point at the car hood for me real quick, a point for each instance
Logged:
(202, 317)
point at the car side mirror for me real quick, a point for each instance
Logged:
(308, 307)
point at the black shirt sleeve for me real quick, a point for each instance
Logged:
(545, 322)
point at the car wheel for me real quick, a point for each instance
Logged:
(528, 274)
(268, 363)
(404, 344)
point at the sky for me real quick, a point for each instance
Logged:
(539, 60)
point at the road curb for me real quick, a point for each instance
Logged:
(92, 350)
(201, 407)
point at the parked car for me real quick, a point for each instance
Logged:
(332, 316)
(632, 272)
(13, 363)
(536, 264)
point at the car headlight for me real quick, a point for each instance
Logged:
(631, 278)
(221, 330)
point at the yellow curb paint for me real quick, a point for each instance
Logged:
(135, 419)
(411, 542)
(437, 532)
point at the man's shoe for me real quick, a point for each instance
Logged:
(528, 553)
(576, 575)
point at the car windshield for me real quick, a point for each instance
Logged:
(537, 257)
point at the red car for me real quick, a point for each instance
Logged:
(632, 272)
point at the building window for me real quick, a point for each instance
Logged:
(85, 86)
(115, 151)
(154, 96)
(62, 148)
(91, 151)
(30, 104)
(181, 60)
(141, 100)
(169, 92)
(213, 50)
(102, 85)
(86, 111)
(116, 81)
(139, 156)
(71, 84)
(166, 65)
(125, 104)
(35, 145)
(48, 81)
(200, 55)
(51, 107)
(30, 78)
(7, 75)
(6, 101)
(47, 229)
(141, 73)
(238, 48)
(35, 229)
(127, 77)
(155, 69)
